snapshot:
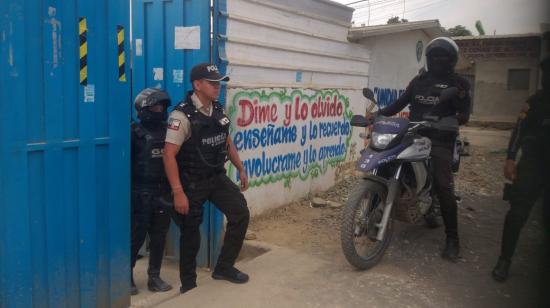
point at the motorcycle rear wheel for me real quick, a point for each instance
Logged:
(366, 200)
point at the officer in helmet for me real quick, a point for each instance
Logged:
(149, 183)
(422, 97)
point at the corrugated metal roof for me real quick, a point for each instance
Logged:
(432, 28)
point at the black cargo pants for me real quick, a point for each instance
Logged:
(227, 197)
(532, 181)
(148, 217)
(443, 184)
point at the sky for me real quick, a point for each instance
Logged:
(497, 16)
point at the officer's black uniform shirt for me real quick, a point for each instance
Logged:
(532, 130)
(422, 94)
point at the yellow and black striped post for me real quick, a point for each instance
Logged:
(83, 35)
(121, 57)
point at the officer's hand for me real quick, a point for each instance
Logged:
(510, 169)
(181, 203)
(244, 180)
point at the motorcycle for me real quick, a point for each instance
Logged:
(396, 183)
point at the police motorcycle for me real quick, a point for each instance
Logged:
(396, 182)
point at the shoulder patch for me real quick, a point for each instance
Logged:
(174, 124)
(224, 121)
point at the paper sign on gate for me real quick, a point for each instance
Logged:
(187, 37)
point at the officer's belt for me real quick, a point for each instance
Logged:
(201, 176)
(147, 181)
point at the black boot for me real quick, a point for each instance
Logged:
(500, 272)
(452, 250)
(230, 274)
(156, 284)
(133, 288)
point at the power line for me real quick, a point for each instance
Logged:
(393, 3)
(423, 4)
(375, 3)
(373, 6)
(379, 7)
(383, 17)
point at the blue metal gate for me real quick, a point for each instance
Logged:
(64, 153)
(168, 38)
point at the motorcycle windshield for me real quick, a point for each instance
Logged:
(390, 125)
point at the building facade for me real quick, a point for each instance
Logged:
(503, 71)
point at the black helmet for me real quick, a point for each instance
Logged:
(151, 97)
(148, 98)
(438, 47)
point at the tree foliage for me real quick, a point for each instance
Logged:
(396, 20)
(458, 30)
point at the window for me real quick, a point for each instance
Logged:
(518, 79)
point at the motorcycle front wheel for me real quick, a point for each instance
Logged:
(361, 214)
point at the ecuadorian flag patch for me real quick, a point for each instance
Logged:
(174, 124)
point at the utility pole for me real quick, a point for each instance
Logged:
(403, 10)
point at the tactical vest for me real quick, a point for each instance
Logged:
(426, 100)
(147, 165)
(205, 152)
(426, 93)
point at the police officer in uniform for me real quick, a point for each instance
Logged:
(197, 146)
(531, 177)
(149, 183)
(422, 95)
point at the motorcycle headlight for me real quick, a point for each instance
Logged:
(381, 141)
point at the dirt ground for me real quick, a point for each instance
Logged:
(412, 260)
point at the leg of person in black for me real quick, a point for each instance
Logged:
(526, 189)
(140, 219)
(546, 208)
(545, 273)
(441, 160)
(160, 222)
(228, 198)
(197, 193)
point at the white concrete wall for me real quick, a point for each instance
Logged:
(394, 62)
(282, 54)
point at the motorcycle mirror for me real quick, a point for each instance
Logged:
(369, 94)
(359, 121)
(448, 94)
